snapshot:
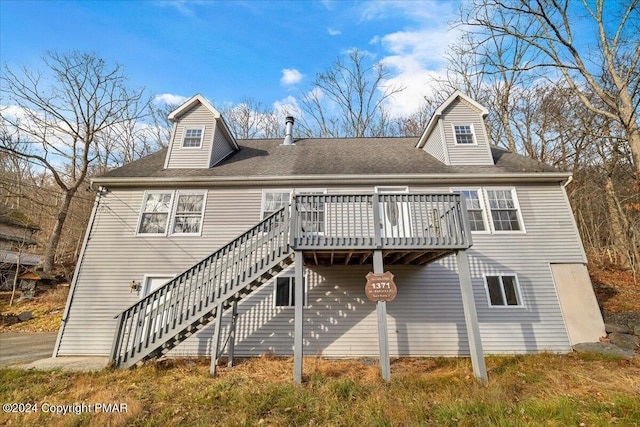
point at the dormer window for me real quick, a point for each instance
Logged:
(192, 138)
(464, 134)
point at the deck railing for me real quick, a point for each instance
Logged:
(379, 221)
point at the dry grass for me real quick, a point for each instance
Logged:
(46, 309)
(545, 389)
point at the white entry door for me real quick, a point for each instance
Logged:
(152, 283)
(395, 215)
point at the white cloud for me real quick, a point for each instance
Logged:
(415, 57)
(184, 7)
(291, 76)
(417, 11)
(415, 60)
(333, 32)
(169, 99)
(287, 106)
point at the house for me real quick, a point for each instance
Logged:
(263, 246)
(16, 240)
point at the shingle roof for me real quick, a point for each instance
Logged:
(341, 156)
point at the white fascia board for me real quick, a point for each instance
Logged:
(189, 103)
(425, 135)
(244, 181)
(436, 115)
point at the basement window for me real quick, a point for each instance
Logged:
(285, 294)
(503, 290)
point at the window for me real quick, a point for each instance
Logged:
(474, 210)
(188, 213)
(176, 212)
(464, 134)
(285, 291)
(504, 210)
(503, 290)
(273, 201)
(192, 138)
(311, 213)
(155, 213)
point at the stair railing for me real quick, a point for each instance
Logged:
(201, 289)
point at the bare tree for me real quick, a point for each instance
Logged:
(252, 119)
(63, 113)
(161, 125)
(349, 99)
(549, 30)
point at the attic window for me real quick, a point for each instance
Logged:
(192, 138)
(464, 134)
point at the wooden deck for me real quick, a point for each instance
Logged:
(410, 228)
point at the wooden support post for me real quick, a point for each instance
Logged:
(299, 318)
(471, 317)
(215, 343)
(383, 335)
(232, 330)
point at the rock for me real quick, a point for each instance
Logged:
(8, 320)
(623, 340)
(636, 328)
(24, 316)
(620, 329)
(604, 348)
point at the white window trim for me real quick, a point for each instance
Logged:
(312, 191)
(514, 195)
(483, 208)
(173, 205)
(518, 292)
(174, 209)
(184, 136)
(272, 190)
(289, 274)
(390, 189)
(473, 134)
(141, 213)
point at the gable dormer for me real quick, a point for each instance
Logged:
(200, 137)
(456, 134)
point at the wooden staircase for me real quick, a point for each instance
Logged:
(163, 319)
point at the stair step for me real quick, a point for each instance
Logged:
(198, 320)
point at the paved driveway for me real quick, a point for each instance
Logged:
(25, 347)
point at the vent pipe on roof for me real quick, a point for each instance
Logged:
(288, 128)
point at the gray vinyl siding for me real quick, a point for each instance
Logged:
(115, 256)
(426, 319)
(435, 145)
(221, 147)
(180, 157)
(461, 113)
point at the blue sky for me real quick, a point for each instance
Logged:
(229, 50)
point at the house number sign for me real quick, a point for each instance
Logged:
(380, 287)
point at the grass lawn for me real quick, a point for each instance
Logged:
(545, 389)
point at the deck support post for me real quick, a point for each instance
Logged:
(298, 317)
(383, 334)
(232, 331)
(471, 317)
(215, 343)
